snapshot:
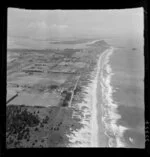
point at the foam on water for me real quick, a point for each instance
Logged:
(87, 136)
(109, 107)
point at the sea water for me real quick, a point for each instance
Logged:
(122, 86)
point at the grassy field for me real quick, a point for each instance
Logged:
(48, 83)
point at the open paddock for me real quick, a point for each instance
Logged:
(46, 99)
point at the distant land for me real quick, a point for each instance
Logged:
(99, 43)
(78, 41)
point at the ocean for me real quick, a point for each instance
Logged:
(113, 106)
(122, 84)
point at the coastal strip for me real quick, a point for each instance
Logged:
(109, 107)
(87, 136)
(98, 137)
(92, 132)
(84, 137)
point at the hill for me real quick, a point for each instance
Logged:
(100, 43)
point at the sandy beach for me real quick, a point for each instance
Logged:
(92, 126)
(75, 78)
(102, 138)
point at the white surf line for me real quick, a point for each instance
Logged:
(94, 119)
(110, 108)
(87, 136)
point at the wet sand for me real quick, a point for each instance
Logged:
(102, 138)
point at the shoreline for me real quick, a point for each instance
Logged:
(93, 98)
(112, 131)
(101, 132)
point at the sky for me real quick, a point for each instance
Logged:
(49, 24)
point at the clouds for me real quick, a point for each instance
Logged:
(48, 23)
(44, 30)
(59, 27)
(41, 25)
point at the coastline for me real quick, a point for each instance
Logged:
(102, 138)
(91, 130)
(92, 98)
(112, 129)
(129, 95)
(109, 108)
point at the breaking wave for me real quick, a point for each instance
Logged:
(109, 107)
(87, 136)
